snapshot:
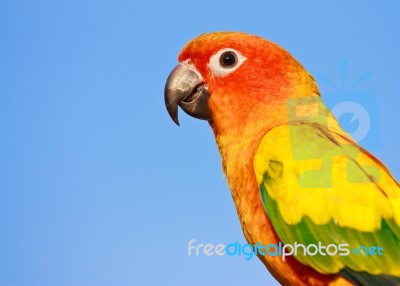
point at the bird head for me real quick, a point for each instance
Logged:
(234, 79)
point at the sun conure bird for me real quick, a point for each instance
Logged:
(295, 175)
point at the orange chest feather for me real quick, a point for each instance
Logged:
(238, 167)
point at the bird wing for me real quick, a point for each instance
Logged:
(319, 186)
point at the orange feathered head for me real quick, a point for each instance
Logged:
(234, 79)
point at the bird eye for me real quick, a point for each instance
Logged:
(228, 59)
(225, 61)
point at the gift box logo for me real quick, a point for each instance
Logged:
(355, 109)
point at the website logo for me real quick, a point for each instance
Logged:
(353, 104)
(280, 249)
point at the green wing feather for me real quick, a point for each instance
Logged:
(317, 185)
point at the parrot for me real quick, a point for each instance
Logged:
(295, 175)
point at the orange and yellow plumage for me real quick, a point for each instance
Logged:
(294, 174)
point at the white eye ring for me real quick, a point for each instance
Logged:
(216, 64)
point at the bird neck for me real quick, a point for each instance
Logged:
(237, 142)
(239, 132)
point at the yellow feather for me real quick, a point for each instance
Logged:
(340, 181)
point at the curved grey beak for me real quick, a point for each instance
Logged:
(185, 87)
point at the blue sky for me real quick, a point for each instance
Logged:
(97, 185)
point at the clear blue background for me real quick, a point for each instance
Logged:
(97, 185)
